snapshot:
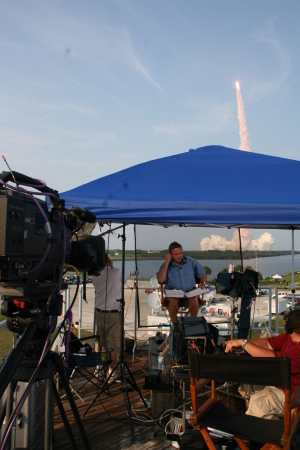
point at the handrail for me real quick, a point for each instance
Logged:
(3, 324)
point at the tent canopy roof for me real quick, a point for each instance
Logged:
(209, 186)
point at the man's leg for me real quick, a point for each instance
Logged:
(173, 309)
(100, 328)
(114, 357)
(193, 306)
(113, 336)
(267, 403)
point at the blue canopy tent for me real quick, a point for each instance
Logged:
(212, 186)
(209, 186)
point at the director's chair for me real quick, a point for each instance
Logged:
(271, 434)
(83, 361)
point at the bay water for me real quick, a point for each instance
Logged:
(268, 266)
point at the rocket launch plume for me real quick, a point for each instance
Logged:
(215, 242)
(244, 136)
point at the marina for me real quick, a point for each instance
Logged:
(153, 318)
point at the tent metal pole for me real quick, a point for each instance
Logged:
(123, 292)
(241, 251)
(293, 269)
(136, 299)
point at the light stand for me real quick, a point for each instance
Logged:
(233, 321)
(134, 289)
(244, 319)
(121, 363)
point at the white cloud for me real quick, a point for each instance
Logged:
(216, 242)
(269, 87)
(210, 118)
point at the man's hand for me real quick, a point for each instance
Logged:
(168, 258)
(231, 344)
(161, 276)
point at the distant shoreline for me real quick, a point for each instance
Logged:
(207, 255)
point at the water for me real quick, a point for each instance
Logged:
(266, 266)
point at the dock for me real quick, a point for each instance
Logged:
(107, 422)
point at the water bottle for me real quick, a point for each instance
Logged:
(160, 361)
(103, 354)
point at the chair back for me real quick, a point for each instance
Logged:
(241, 369)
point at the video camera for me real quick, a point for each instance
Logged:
(36, 243)
(237, 284)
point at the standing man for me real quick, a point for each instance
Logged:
(269, 401)
(183, 273)
(108, 289)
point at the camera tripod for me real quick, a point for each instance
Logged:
(15, 369)
(127, 380)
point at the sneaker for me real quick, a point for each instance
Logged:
(115, 377)
(111, 378)
(99, 373)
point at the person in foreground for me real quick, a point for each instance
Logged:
(181, 272)
(108, 289)
(268, 402)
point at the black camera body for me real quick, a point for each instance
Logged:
(35, 244)
(237, 284)
(23, 241)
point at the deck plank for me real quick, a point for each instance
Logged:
(107, 423)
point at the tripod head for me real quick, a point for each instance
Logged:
(134, 274)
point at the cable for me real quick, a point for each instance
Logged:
(45, 351)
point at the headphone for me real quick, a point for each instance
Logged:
(288, 326)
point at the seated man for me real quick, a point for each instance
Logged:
(268, 402)
(180, 272)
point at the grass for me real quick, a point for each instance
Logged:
(6, 339)
(286, 281)
(6, 336)
(281, 324)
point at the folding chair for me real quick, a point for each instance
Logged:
(272, 434)
(86, 363)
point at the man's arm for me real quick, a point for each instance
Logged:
(203, 279)
(161, 276)
(199, 272)
(255, 347)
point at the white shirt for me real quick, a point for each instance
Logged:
(108, 287)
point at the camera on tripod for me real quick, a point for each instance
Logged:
(237, 284)
(35, 244)
(133, 273)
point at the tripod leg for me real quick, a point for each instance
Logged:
(64, 416)
(127, 400)
(48, 416)
(101, 391)
(3, 413)
(9, 408)
(132, 382)
(60, 369)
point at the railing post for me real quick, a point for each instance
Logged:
(80, 314)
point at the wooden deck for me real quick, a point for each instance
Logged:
(107, 423)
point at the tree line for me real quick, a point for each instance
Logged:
(201, 255)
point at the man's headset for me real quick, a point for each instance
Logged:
(288, 326)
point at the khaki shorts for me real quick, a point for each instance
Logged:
(267, 403)
(109, 330)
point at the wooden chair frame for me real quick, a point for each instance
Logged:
(272, 434)
(89, 365)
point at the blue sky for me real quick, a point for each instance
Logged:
(91, 87)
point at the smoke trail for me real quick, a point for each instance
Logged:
(244, 136)
(216, 242)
